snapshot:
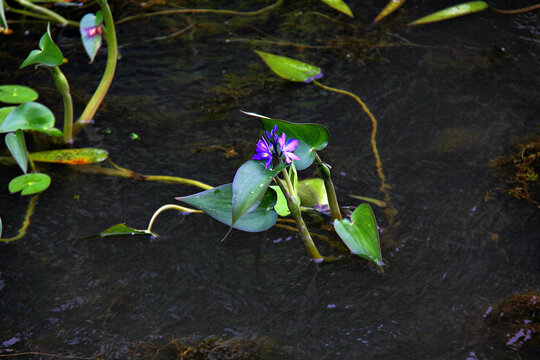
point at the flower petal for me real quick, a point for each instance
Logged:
(291, 145)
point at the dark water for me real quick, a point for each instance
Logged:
(446, 107)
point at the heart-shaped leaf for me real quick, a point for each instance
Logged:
(392, 6)
(49, 55)
(30, 116)
(90, 29)
(290, 69)
(29, 184)
(217, 203)
(249, 186)
(452, 12)
(360, 234)
(17, 94)
(310, 137)
(123, 230)
(17, 147)
(71, 156)
(339, 5)
(312, 192)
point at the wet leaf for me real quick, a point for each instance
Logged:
(312, 192)
(360, 234)
(451, 12)
(217, 203)
(71, 156)
(290, 69)
(17, 94)
(249, 186)
(29, 184)
(90, 29)
(17, 147)
(30, 116)
(49, 55)
(339, 5)
(124, 230)
(4, 112)
(392, 6)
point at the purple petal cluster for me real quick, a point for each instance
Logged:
(274, 147)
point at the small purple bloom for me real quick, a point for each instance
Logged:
(263, 153)
(272, 146)
(287, 147)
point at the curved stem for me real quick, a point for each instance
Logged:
(517, 11)
(26, 222)
(51, 15)
(203, 11)
(171, 207)
(110, 68)
(62, 86)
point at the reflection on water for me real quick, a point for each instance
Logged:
(444, 110)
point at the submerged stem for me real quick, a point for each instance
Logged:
(26, 222)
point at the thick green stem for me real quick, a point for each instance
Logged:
(62, 86)
(290, 186)
(294, 208)
(110, 68)
(324, 172)
(51, 15)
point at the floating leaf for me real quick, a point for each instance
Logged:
(217, 203)
(30, 116)
(339, 5)
(71, 156)
(90, 29)
(392, 6)
(249, 186)
(49, 55)
(360, 234)
(17, 147)
(123, 230)
(3, 20)
(451, 12)
(312, 192)
(290, 69)
(29, 184)
(17, 94)
(4, 112)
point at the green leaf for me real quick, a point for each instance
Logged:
(290, 69)
(339, 5)
(312, 192)
(451, 12)
(90, 29)
(217, 203)
(360, 234)
(122, 230)
(17, 147)
(281, 206)
(30, 116)
(4, 112)
(29, 184)
(49, 55)
(3, 24)
(392, 6)
(71, 156)
(249, 186)
(17, 94)
(310, 137)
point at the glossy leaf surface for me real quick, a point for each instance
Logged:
(30, 116)
(312, 192)
(249, 186)
(90, 29)
(339, 5)
(4, 112)
(29, 184)
(310, 137)
(123, 230)
(71, 156)
(392, 6)
(17, 147)
(290, 69)
(452, 12)
(48, 55)
(360, 234)
(17, 94)
(217, 203)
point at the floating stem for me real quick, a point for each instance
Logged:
(26, 222)
(50, 15)
(517, 11)
(171, 207)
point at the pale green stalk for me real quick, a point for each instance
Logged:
(324, 172)
(51, 15)
(62, 86)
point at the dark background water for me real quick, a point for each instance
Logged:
(448, 101)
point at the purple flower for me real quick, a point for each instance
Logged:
(287, 147)
(263, 153)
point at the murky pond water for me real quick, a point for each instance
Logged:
(448, 100)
